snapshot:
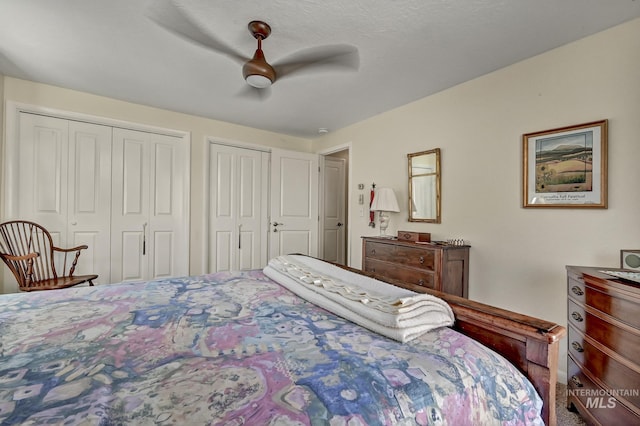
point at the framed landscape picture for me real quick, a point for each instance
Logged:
(566, 167)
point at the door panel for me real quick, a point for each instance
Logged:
(43, 164)
(163, 254)
(134, 173)
(224, 251)
(163, 178)
(130, 203)
(294, 203)
(248, 250)
(237, 222)
(89, 213)
(334, 217)
(168, 213)
(129, 256)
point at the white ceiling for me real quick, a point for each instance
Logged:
(408, 49)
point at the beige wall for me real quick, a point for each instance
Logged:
(26, 92)
(518, 255)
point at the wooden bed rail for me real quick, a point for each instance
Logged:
(529, 343)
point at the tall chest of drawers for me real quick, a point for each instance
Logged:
(603, 361)
(417, 266)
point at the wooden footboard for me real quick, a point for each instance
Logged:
(531, 344)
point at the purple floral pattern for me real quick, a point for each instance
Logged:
(232, 349)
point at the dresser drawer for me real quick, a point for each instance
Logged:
(592, 401)
(621, 339)
(384, 270)
(421, 258)
(576, 287)
(380, 251)
(627, 311)
(416, 258)
(577, 316)
(612, 372)
(576, 344)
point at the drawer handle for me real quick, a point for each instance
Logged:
(577, 290)
(576, 381)
(373, 251)
(420, 282)
(576, 316)
(421, 260)
(577, 347)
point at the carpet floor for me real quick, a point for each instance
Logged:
(565, 417)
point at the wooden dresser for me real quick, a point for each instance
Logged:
(417, 266)
(603, 362)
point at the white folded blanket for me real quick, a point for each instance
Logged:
(381, 307)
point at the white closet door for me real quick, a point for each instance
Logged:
(129, 206)
(294, 203)
(149, 216)
(168, 236)
(65, 173)
(237, 222)
(89, 199)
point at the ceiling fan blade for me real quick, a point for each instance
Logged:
(174, 19)
(253, 93)
(329, 57)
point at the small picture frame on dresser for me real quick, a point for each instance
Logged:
(630, 259)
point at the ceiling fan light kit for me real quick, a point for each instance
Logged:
(257, 71)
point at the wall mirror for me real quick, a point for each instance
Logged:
(424, 186)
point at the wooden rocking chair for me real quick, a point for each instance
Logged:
(28, 251)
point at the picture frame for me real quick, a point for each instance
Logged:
(630, 259)
(566, 167)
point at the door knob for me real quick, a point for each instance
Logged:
(340, 224)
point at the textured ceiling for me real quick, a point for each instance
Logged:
(408, 49)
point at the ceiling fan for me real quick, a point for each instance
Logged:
(256, 71)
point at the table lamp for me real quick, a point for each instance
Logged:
(384, 201)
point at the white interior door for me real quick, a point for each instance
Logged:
(238, 188)
(294, 203)
(149, 216)
(333, 210)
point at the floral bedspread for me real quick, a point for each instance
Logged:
(236, 349)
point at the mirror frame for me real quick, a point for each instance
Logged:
(435, 152)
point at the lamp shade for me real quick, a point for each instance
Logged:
(385, 200)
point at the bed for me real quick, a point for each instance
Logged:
(240, 348)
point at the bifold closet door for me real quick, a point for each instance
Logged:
(148, 215)
(238, 208)
(64, 185)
